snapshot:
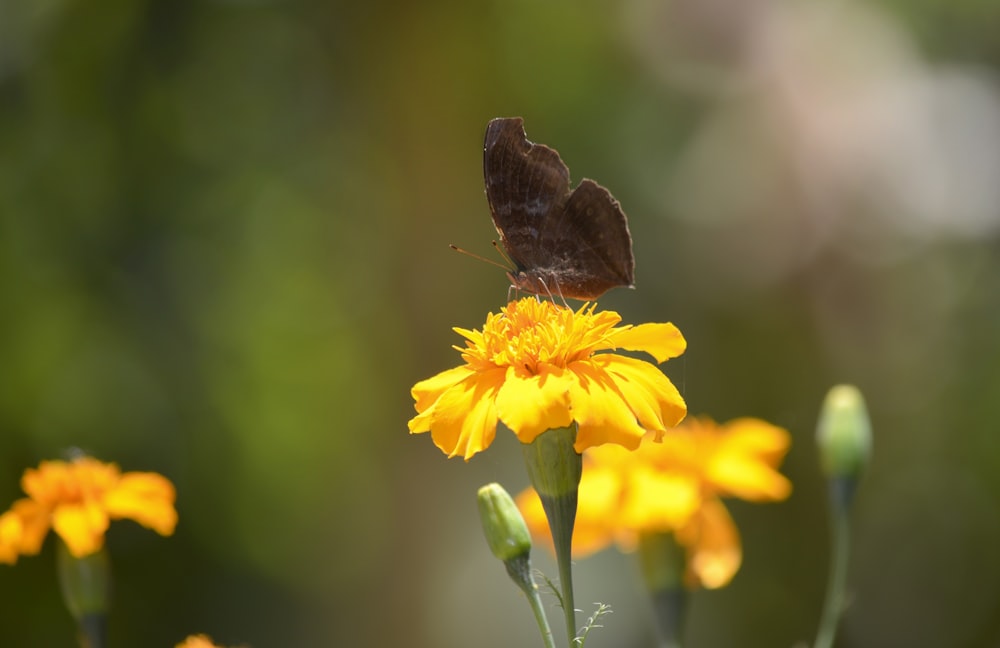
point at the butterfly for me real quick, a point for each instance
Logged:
(574, 244)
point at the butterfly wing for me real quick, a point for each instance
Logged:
(575, 244)
(592, 244)
(525, 183)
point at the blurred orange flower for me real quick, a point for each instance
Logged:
(197, 641)
(535, 366)
(675, 486)
(77, 499)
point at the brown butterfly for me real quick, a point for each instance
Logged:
(573, 244)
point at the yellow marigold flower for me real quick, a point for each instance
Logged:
(536, 366)
(77, 499)
(197, 641)
(674, 486)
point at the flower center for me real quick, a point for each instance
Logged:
(529, 332)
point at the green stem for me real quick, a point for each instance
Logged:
(554, 469)
(92, 630)
(535, 600)
(565, 560)
(86, 587)
(519, 569)
(833, 606)
(663, 562)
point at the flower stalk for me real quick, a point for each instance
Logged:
(86, 589)
(519, 570)
(836, 586)
(844, 437)
(510, 541)
(554, 469)
(663, 563)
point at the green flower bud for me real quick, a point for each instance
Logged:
(507, 535)
(844, 436)
(844, 433)
(505, 530)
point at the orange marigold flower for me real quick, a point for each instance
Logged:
(536, 366)
(674, 487)
(77, 499)
(197, 641)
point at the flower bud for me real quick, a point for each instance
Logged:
(507, 534)
(844, 436)
(505, 530)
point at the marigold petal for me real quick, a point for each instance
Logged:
(600, 410)
(426, 392)
(599, 502)
(35, 524)
(748, 479)
(45, 483)
(94, 472)
(662, 341)
(422, 422)
(659, 501)
(744, 461)
(146, 497)
(10, 537)
(463, 421)
(609, 456)
(713, 542)
(757, 437)
(531, 404)
(651, 396)
(533, 513)
(81, 526)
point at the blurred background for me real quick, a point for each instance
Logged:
(224, 234)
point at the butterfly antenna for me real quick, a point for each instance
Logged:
(480, 257)
(503, 253)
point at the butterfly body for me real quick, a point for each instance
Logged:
(574, 244)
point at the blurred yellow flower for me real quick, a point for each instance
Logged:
(77, 499)
(535, 366)
(197, 641)
(674, 486)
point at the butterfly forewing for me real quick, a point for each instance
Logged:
(524, 184)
